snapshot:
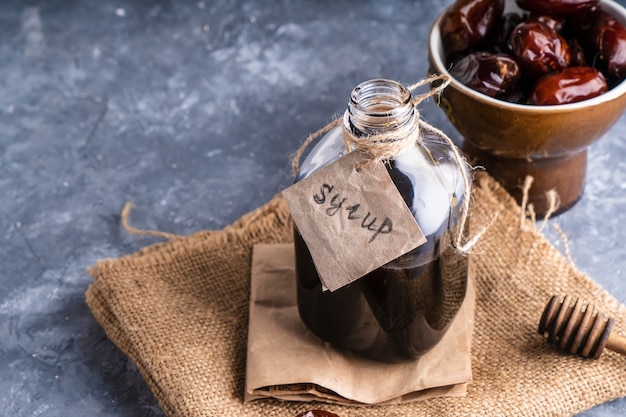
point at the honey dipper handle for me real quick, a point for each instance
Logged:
(616, 343)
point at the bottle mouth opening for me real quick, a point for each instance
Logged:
(378, 105)
(380, 96)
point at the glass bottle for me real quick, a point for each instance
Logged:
(402, 309)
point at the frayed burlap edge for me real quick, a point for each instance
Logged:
(515, 371)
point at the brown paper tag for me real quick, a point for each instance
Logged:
(352, 220)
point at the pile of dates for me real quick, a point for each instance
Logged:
(552, 52)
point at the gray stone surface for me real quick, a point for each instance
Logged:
(191, 110)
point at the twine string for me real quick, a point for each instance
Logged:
(384, 146)
(528, 182)
(130, 229)
(554, 201)
(295, 162)
(527, 209)
(565, 240)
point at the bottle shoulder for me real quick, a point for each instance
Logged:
(427, 176)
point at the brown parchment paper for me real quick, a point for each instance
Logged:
(286, 361)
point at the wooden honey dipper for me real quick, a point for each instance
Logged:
(579, 328)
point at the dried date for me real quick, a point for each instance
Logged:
(502, 40)
(555, 22)
(577, 54)
(543, 40)
(608, 36)
(557, 7)
(539, 48)
(571, 85)
(468, 22)
(491, 74)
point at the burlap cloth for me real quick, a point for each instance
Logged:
(179, 310)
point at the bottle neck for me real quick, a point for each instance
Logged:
(380, 106)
